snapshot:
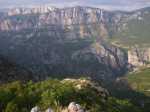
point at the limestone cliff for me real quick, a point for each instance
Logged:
(138, 57)
(83, 21)
(67, 41)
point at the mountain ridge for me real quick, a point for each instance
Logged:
(59, 41)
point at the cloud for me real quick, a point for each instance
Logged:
(108, 4)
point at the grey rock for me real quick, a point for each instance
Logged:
(138, 57)
(35, 109)
(73, 107)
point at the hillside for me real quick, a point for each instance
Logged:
(140, 81)
(133, 28)
(57, 94)
(44, 51)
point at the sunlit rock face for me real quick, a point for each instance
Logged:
(36, 10)
(83, 21)
(138, 57)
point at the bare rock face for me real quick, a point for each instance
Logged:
(83, 21)
(138, 57)
(35, 10)
(73, 107)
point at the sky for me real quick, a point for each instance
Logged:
(106, 4)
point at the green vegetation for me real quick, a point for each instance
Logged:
(19, 97)
(133, 31)
(140, 81)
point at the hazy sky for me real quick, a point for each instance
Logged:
(107, 4)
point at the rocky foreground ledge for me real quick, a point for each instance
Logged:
(73, 107)
(79, 85)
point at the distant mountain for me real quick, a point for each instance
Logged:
(86, 21)
(133, 27)
(74, 40)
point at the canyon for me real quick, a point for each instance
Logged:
(73, 40)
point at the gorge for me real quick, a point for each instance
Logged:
(92, 59)
(72, 40)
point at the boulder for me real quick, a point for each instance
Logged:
(73, 107)
(35, 109)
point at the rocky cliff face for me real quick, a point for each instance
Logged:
(35, 10)
(83, 21)
(101, 21)
(65, 41)
(138, 57)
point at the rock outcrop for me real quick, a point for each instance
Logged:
(73, 107)
(80, 84)
(138, 57)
